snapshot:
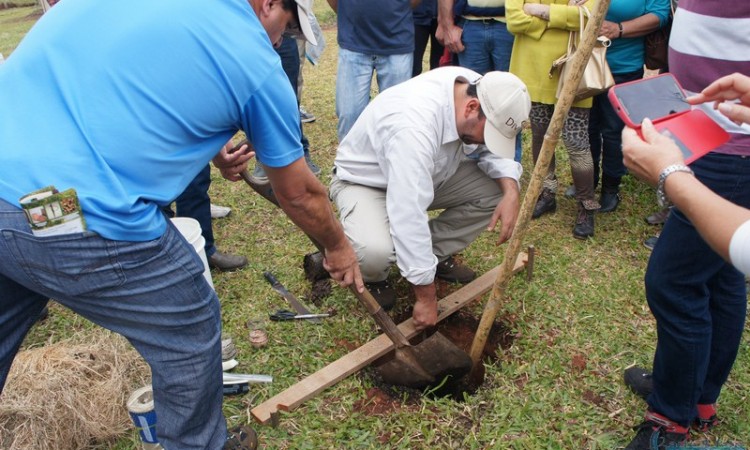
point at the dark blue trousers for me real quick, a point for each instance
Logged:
(698, 300)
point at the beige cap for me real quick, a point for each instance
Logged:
(506, 103)
(306, 16)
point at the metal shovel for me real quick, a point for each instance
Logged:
(427, 363)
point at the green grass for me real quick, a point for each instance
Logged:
(577, 324)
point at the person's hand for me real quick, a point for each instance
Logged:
(232, 161)
(537, 10)
(610, 30)
(506, 212)
(425, 312)
(341, 263)
(647, 157)
(450, 37)
(731, 87)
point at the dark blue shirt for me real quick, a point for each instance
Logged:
(425, 13)
(382, 27)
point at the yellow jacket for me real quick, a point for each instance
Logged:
(539, 42)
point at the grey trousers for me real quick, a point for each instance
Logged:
(467, 200)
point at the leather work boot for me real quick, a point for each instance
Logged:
(546, 203)
(450, 270)
(584, 227)
(383, 292)
(226, 262)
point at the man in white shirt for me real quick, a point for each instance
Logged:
(420, 146)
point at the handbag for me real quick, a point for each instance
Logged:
(597, 77)
(656, 46)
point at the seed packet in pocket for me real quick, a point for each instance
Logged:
(51, 212)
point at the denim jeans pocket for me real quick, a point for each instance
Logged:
(72, 264)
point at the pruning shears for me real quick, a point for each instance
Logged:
(285, 314)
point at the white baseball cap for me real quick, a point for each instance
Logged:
(506, 103)
(306, 16)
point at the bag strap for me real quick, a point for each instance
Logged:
(572, 38)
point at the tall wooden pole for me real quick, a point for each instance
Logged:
(575, 72)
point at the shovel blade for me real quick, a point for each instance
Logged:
(436, 355)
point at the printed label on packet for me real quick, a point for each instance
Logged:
(51, 212)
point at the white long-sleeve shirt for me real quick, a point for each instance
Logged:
(406, 142)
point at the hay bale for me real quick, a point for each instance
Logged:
(70, 395)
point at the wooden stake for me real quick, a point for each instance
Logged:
(577, 64)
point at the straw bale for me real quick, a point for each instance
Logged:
(70, 395)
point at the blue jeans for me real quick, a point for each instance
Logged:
(153, 293)
(605, 136)
(698, 300)
(354, 79)
(487, 47)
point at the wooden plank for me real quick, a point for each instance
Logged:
(309, 387)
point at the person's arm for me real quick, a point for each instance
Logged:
(448, 33)
(334, 4)
(409, 193)
(715, 218)
(305, 200)
(537, 10)
(640, 26)
(506, 210)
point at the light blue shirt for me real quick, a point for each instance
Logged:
(126, 101)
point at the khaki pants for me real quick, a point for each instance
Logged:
(467, 199)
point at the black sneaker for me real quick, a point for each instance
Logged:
(658, 433)
(241, 438)
(383, 292)
(609, 201)
(546, 203)
(639, 381)
(584, 227)
(452, 271)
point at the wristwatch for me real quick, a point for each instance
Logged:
(661, 195)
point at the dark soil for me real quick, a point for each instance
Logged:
(460, 329)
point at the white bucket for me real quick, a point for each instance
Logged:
(191, 230)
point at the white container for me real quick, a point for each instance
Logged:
(191, 230)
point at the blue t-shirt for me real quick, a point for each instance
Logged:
(127, 101)
(382, 27)
(627, 54)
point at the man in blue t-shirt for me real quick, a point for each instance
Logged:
(372, 38)
(125, 102)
